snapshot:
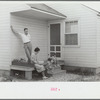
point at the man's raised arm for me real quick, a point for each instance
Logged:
(13, 30)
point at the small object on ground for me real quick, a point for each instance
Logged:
(2, 79)
(45, 77)
(14, 80)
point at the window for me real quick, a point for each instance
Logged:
(71, 33)
(55, 50)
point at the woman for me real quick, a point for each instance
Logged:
(38, 64)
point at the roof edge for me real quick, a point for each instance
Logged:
(60, 14)
(90, 8)
(47, 12)
(56, 10)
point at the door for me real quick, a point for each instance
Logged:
(55, 40)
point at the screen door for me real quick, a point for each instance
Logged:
(55, 43)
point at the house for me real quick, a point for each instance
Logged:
(69, 30)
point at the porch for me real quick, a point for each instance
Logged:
(38, 19)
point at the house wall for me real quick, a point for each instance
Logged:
(85, 55)
(5, 32)
(4, 38)
(11, 46)
(98, 41)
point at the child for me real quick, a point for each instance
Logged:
(49, 63)
(55, 64)
(49, 66)
(38, 65)
(54, 60)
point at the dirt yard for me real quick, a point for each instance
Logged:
(62, 77)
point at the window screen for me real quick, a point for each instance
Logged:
(71, 39)
(58, 54)
(71, 33)
(52, 48)
(58, 48)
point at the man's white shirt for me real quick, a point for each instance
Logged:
(25, 38)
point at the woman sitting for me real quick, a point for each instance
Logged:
(38, 65)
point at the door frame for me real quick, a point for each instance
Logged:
(61, 35)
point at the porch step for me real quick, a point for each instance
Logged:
(61, 62)
(57, 67)
(58, 71)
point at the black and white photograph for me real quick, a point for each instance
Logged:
(49, 42)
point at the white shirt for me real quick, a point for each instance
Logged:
(34, 58)
(25, 38)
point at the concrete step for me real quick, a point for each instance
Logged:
(57, 71)
(61, 62)
(57, 67)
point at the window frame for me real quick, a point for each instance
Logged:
(78, 34)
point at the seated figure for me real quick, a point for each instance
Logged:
(38, 64)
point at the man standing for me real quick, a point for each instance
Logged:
(26, 39)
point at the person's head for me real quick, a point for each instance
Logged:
(36, 50)
(26, 31)
(54, 55)
(50, 60)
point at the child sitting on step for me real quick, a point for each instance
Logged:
(54, 60)
(49, 65)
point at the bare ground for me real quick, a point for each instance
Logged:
(61, 77)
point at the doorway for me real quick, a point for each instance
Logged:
(55, 40)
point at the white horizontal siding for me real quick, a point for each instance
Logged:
(11, 46)
(85, 55)
(4, 39)
(38, 32)
(98, 41)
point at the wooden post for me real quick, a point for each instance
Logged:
(28, 75)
